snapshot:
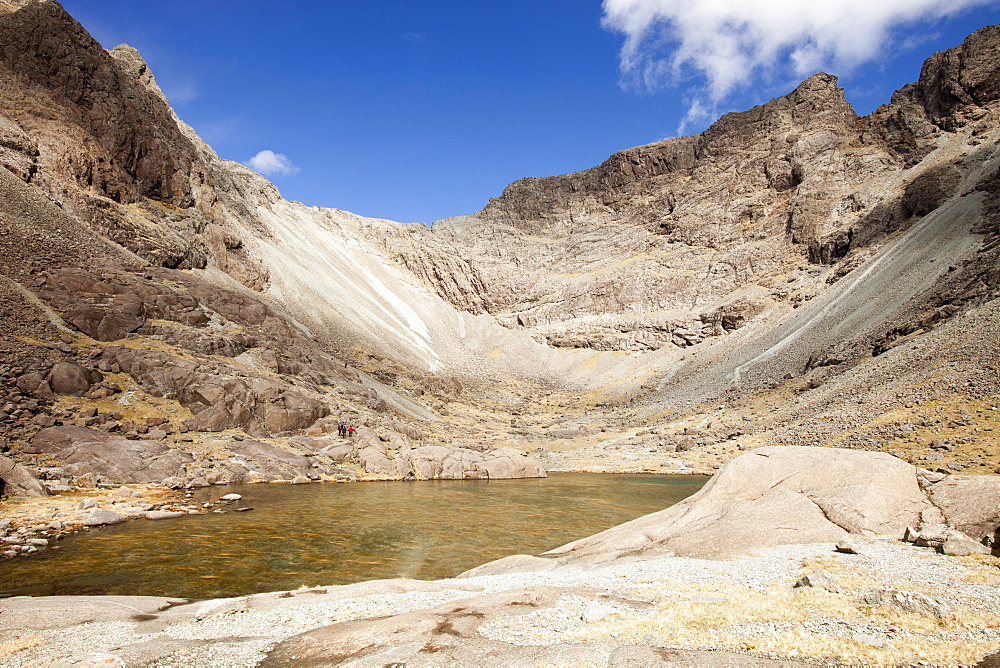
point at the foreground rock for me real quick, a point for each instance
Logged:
(450, 635)
(642, 608)
(650, 612)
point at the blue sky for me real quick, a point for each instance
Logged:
(418, 110)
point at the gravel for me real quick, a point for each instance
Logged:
(240, 631)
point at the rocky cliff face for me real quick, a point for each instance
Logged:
(737, 210)
(150, 287)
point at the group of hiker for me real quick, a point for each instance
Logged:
(344, 431)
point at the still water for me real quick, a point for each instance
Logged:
(328, 534)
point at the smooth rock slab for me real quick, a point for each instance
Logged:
(163, 514)
(970, 503)
(778, 495)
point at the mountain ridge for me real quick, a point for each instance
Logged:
(572, 313)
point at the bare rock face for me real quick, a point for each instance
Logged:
(221, 396)
(108, 139)
(265, 460)
(83, 451)
(639, 252)
(391, 456)
(772, 496)
(80, 80)
(630, 235)
(16, 480)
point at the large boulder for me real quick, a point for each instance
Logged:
(772, 496)
(220, 396)
(16, 480)
(970, 503)
(72, 379)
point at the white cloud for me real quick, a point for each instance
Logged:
(270, 163)
(726, 44)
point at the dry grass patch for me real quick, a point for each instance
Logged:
(133, 403)
(12, 647)
(901, 651)
(807, 622)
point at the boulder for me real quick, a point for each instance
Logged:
(958, 544)
(16, 480)
(909, 601)
(35, 384)
(103, 323)
(220, 396)
(103, 516)
(510, 463)
(814, 579)
(970, 503)
(72, 379)
(339, 452)
(775, 495)
(373, 458)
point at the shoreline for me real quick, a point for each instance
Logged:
(25, 522)
(580, 613)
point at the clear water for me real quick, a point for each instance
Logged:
(329, 534)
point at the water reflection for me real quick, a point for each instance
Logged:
(307, 535)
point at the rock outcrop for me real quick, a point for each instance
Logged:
(772, 496)
(16, 480)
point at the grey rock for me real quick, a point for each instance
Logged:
(909, 601)
(103, 516)
(72, 379)
(83, 451)
(960, 545)
(162, 514)
(772, 496)
(970, 503)
(814, 579)
(850, 546)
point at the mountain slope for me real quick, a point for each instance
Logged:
(656, 312)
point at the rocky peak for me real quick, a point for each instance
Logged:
(955, 85)
(134, 65)
(53, 58)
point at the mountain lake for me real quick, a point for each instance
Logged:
(329, 534)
